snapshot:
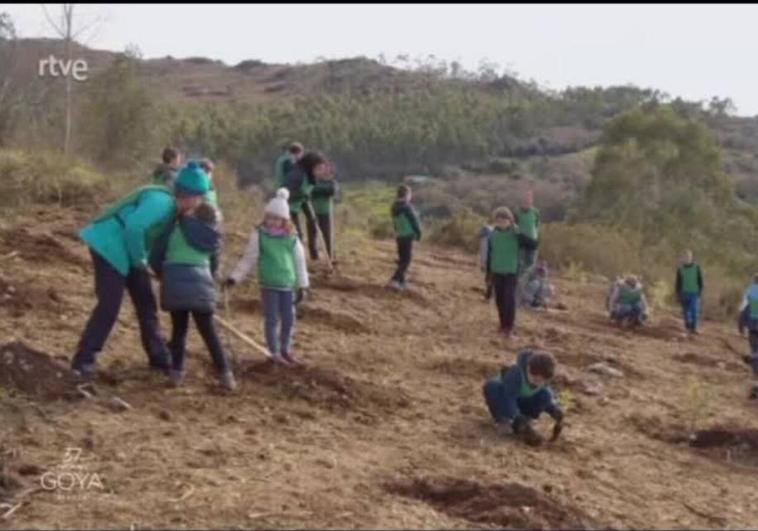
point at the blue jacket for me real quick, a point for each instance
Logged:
(188, 287)
(513, 384)
(124, 240)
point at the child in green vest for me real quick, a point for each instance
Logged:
(166, 172)
(748, 318)
(521, 393)
(300, 181)
(212, 195)
(407, 230)
(628, 303)
(292, 153)
(185, 258)
(322, 196)
(484, 242)
(503, 249)
(689, 289)
(275, 250)
(528, 221)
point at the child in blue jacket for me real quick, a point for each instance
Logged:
(521, 393)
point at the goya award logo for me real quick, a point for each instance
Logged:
(72, 476)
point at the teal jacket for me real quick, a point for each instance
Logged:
(125, 239)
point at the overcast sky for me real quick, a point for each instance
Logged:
(694, 51)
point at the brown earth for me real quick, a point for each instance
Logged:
(385, 427)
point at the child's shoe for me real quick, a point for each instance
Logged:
(227, 381)
(291, 358)
(175, 378)
(394, 284)
(279, 359)
(504, 427)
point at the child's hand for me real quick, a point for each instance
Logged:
(229, 283)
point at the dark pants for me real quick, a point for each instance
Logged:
(109, 290)
(691, 310)
(204, 322)
(404, 257)
(505, 298)
(310, 225)
(325, 224)
(505, 408)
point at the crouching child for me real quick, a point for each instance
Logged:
(628, 303)
(537, 289)
(521, 393)
(185, 258)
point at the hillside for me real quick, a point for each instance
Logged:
(386, 427)
(376, 120)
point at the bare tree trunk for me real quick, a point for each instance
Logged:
(68, 15)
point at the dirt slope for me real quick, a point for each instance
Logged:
(386, 428)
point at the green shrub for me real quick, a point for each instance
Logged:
(48, 178)
(462, 231)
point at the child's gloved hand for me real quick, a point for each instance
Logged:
(302, 294)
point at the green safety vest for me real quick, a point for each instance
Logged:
(276, 262)
(689, 278)
(527, 390)
(630, 296)
(504, 247)
(179, 251)
(527, 222)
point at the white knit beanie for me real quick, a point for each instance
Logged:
(279, 206)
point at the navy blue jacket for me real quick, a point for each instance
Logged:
(185, 286)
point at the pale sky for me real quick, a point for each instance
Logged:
(693, 51)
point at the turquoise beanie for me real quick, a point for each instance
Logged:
(192, 180)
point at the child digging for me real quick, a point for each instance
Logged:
(280, 259)
(521, 393)
(185, 258)
(407, 230)
(689, 288)
(503, 266)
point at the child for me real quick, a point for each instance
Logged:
(185, 259)
(292, 153)
(502, 266)
(689, 288)
(407, 230)
(748, 318)
(537, 288)
(166, 172)
(628, 302)
(521, 393)
(299, 182)
(324, 190)
(528, 221)
(484, 238)
(280, 259)
(212, 195)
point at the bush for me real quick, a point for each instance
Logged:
(48, 178)
(462, 231)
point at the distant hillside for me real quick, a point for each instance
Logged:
(383, 122)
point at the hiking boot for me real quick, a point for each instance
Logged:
(227, 381)
(160, 365)
(175, 378)
(291, 358)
